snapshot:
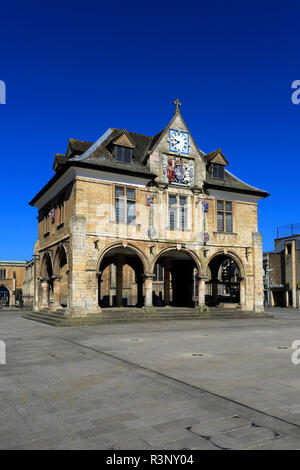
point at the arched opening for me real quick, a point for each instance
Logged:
(60, 278)
(120, 279)
(4, 296)
(223, 282)
(46, 284)
(175, 280)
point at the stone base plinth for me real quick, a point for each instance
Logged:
(133, 315)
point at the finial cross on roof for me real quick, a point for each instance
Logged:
(177, 104)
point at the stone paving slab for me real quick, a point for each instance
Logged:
(139, 386)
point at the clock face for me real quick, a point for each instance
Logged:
(179, 141)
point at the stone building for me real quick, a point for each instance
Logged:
(282, 272)
(12, 274)
(149, 222)
(28, 285)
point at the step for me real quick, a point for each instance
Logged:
(54, 319)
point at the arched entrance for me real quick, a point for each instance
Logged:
(121, 278)
(223, 285)
(175, 279)
(4, 296)
(46, 281)
(60, 278)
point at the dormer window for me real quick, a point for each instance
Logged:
(123, 154)
(217, 171)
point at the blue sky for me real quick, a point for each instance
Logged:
(73, 69)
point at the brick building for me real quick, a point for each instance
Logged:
(146, 222)
(12, 274)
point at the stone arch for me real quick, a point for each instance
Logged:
(60, 278)
(230, 254)
(128, 246)
(226, 282)
(4, 287)
(180, 270)
(190, 253)
(45, 290)
(121, 269)
(60, 259)
(46, 271)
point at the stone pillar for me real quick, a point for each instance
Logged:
(294, 292)
(214, 289)
(120, 261)
(257, 263)
(36, 282)
(112, 284)
(242, 293)
(44, 293)
(287, 300)
(201, 291)
(12, 297)
(56, 292)
(271, 298)
(139, 290)
(83, 285)
(167, 267)
(148, 290)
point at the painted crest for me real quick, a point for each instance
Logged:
(178, 170)
(151, 232)
(205, 206)
(205, 236)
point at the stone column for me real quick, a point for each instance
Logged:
(287, 300)
(294, 292)
(139, 290)
(167, 267)
(271, 298)
(201, 291)
(257, 266)
(12, 297)
(36, 282)
(242, 292)
(214, 289)
(119, 264)
(112, 284)
(78, 298)
(45, 293)
(99, 280)
(56, 292)
(148, 290)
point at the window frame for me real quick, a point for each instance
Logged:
(2, 274)
(223, 213)
(47, 224)
(178, 210)
(122, 149)
(218, 167)
(61, 214)
(125, 199)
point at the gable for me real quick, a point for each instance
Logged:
(217, 157)
(124, 141)
(183, 168)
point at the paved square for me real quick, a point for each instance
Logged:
(206, 384)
